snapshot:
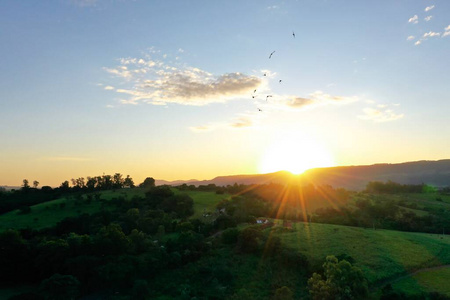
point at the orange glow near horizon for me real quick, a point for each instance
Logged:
(296, 155)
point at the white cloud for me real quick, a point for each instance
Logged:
(431, 34)
(272, 7)
(159, 83)
(428, 18)
(417, 43)
(108, 87)
(410, 38)
(447, 31)
(414, 19)
(382, 113)
(119, 72)
(428, 8)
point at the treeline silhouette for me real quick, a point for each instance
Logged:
(390, 187)
(28, 196)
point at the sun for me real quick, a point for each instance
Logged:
(296, 155)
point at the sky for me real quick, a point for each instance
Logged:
(197, 89)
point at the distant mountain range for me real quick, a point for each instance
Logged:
(8, 188)
(436, 173)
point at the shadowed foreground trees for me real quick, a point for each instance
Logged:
(341, 281)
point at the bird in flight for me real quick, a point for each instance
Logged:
(280, 81)
(268, 96)
(259, 109)
(254, 91)
(293, 34)
(253, 96)
(265, 74)
(271, 54)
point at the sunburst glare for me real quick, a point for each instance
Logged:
(295, 154)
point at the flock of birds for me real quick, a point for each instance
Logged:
(265, 74)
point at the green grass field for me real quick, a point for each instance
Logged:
(49, 213)
(204, 201)
(381, 254)
(436, 280)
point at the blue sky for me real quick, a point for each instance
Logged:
(164, 88)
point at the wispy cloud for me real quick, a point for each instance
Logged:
(272, 7)
(446, 31)
(427, 35)
(410, 38)
(240, 121)
(120, 72)
(158, 82)
(315, 99)
(428, 8)
(428, 18)
(380, 113)
(431, 34)
(67, 158)
(414, 19)
(108, 87)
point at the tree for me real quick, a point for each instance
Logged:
(148, 183)
(60, 287)
(342, 281)
(118, 181)
(15, 262)
(249, 240)
(283, 293)
(78, 183)
(128, 182)
(111, 240)
(25, 184)
(107, 182)
(35, 184)
(91, 183)
(64, 186)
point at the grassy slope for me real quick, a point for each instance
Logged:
(427, 281)
(49, 213)
(204, 201)
(381, 254)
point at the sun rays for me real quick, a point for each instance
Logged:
(295, 153)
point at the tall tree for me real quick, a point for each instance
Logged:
(25, 184)
(35, 184)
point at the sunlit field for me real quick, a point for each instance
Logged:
(435, 280)
(381, 254)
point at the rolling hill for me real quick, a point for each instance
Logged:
(436, 173)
